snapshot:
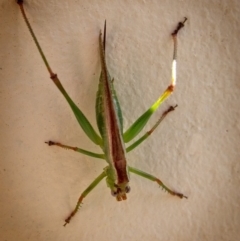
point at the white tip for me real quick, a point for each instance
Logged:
(174, 72)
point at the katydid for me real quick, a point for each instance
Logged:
(112, 138)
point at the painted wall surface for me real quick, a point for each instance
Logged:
(194, 151)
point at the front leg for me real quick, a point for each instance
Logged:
(83, 195)
(155, 179)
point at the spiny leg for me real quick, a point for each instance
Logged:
(148, 133)
(155, 179)
(77, 149)
(138, 125)
(83, 195)
(81, 118)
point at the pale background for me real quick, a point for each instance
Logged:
(195, 151)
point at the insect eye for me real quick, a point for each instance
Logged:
(114, 193)
(127, 189)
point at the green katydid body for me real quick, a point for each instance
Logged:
(110, 125)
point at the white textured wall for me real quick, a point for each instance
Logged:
(195, 150)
